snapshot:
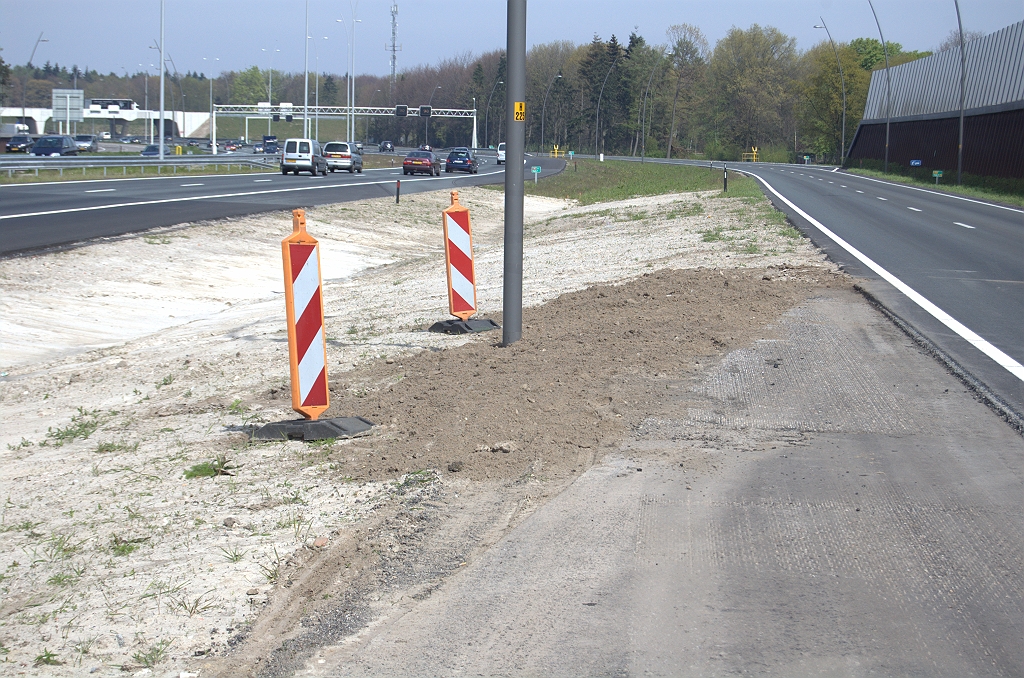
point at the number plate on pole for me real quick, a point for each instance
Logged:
(520, 111)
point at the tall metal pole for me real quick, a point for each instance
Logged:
(963, 91)
(474, 124)
(515, 102)
(597, 118)
(426, 123)
(163, 67)
(487, 111)
(888, 87)
(842, 80)
(643, 124)
(544, 108)
(305, 77)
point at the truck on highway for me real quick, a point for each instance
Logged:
(270, 144)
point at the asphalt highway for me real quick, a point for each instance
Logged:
(951, 267)
(44, 215)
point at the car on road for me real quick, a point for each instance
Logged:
(20, 144)
(86, 143)
(153, 151)
(461, 160)
(386, 147)
(257, 147)
(303, 155)
(55, 144)
(341, 156)
(501, 152)
(426, 147)
(105, 136)
(421, 161)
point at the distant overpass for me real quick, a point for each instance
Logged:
(40, 120)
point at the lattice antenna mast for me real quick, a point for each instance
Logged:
(394, 48)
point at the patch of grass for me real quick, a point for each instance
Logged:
(790, 232)
(272, 570)
(221, 466)
(236, 407)
(232, 556)
(681, 211)
(24, 443)
(156, 239)
(751, 248)
(713, 235)
(82, 425)
(590, 181)
(61, 579)
(154, 655)
(166, 381)
(47, 658)
(60, 547)
(107, 448)
(193, 606)
(125, 547)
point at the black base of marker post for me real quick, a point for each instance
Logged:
(320, 429)
(471, 326)
(398, 190)
(725, 178)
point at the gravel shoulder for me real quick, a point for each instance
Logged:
(127, 363)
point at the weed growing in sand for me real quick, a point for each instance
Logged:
(236, 407)
(157, 239)
(82, 425)
(60, 547)
(125, 547)
(193, 606)
(712, 235)
(751, 248)
(22, 444)
(790, 232)
(166, 381)
(684, 210)
(47, 658)
(61, 579)
(221, 466)
(232, 556)
(272, 570)
(107, 448)
(154, 655)
(83, 646)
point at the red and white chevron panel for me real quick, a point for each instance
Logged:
(310, 346)
(461, 281)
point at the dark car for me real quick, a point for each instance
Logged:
(461, 160)
(55, 144)
(153, 151)
(20, 144)
(426, 147)
(421, 161)
(386, 147)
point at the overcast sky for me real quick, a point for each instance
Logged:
(111, 36)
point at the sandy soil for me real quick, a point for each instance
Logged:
(127, 363)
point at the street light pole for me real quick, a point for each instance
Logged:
(487, 112)
(963, 92)
(270, 87)
(597, 120)
(544, 108)
(163, 69)
(426, 123)
(643, 123)
(888, 87)
(305, 77)
(213, 148)
(24, 87)
(515, 140)
(842, 79)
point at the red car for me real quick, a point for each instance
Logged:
(421, 161)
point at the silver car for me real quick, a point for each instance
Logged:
(342, 156)
(86, 143)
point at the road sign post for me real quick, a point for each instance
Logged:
(536, 173)
(937, 174)
(515, 113)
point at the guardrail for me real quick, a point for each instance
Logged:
(26, 164)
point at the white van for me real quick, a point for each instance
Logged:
(501, 152)
(303, 155)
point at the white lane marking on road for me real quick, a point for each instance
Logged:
(217, 196)
(1003, 360)
(945, 195)
(842, 185)
(880, 197)
(964, 225)
(259, 181)
(914, 208)
(183, 185)
(860, 191)
(101, 190)
(831, 182)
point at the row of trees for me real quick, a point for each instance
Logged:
(680, 98)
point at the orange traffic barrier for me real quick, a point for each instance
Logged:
(458, 255)
(307, 346)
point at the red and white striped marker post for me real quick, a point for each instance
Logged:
(307, 346)
(458, 255)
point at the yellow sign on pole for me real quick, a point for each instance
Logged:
(520, 111)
